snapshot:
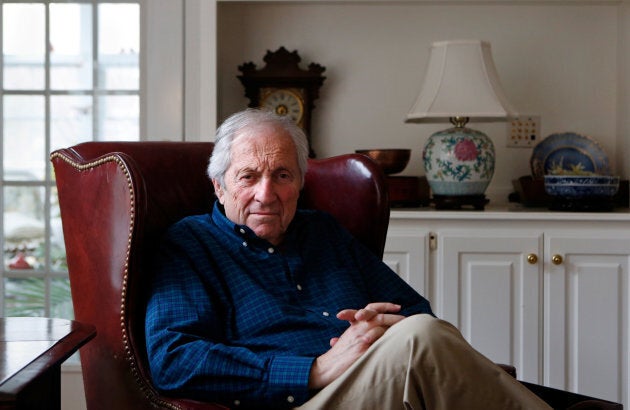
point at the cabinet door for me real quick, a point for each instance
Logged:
(406, 254)
(586, 314)
(489, 289)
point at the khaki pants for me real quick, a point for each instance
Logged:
(424, 363)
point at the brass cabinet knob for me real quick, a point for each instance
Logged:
(556, 259)
(532, 258)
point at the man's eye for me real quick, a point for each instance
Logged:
(246, 178)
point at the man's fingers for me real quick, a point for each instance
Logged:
(365, 314)
(347, 314)
(380, 319)
(373, 309)
(373, 334)
(368, 314)
(384, 307)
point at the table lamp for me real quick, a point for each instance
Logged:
(461, 85)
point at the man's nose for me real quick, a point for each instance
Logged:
(265, 190)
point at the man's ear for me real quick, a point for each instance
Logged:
(218, 191)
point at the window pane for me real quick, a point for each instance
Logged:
(71, 46)
(24, 137)
(119, 46)
(120, 73)
(90, 92)
(57, 246)
(24, 227)
(23, 42)
(24, 297)
(71, 120)
(118, 119)
(60, 298)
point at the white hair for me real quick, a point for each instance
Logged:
(233, 126)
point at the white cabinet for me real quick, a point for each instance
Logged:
(585, 337)
(492, 294)
(547, 292)
(407, 253)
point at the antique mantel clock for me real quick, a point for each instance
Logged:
(282, 86)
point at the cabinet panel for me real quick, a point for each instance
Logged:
(407, 255)
(586, 316)
(492, 294)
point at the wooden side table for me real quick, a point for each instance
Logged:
(31, 352)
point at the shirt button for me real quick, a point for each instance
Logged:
(290, 399)
(299, 287)
(271, 250)
(326, 314)
(242, 231)
(237, 402)
(244, 243)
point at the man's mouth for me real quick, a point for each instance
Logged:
(265, 213)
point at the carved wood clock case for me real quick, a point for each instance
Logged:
(284, 87)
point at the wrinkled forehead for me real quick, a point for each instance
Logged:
(265, 142)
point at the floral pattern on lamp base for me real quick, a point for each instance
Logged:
(458, 161)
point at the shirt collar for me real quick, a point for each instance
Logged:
(226, 225)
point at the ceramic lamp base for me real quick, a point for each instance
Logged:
(459, 161)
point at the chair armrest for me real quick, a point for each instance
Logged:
(508, 368)
(560, 399)
(188, 404)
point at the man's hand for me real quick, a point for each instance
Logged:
(367, 325)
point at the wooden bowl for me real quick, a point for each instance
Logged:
(392, 161)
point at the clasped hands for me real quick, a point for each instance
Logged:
(367, 325)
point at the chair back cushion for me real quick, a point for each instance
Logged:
(116, 199)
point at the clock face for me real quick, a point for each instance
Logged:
(283, 102)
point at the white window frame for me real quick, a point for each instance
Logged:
(177, 100)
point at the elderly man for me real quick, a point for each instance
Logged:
(261, 305)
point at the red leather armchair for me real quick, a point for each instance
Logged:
(116, 199)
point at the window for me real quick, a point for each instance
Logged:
(70, 73)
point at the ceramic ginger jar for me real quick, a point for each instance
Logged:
(458, 161)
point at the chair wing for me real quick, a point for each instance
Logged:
(352, 188)
(116, 198)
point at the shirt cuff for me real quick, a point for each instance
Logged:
(288, 377)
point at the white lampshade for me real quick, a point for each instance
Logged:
(461, 81)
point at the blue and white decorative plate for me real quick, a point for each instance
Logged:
(568, 153)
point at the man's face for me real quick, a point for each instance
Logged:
(263, 182)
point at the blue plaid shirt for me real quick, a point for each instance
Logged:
(236, 320)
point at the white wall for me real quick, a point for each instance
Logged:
(555, 59)
(623, 109)
(72, 392)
